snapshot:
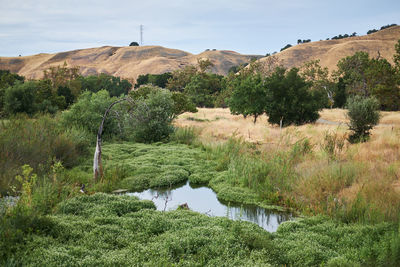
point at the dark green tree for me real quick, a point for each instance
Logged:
(248, 94)
(7, 79)
(20, 98)
(382, 84)
(134, 44)
(339, 95)
(159, 80)
(289, 99)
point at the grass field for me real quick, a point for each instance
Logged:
(335, 173)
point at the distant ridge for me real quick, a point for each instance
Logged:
(329, 52)
(127, 62)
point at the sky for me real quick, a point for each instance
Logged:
(246, 26)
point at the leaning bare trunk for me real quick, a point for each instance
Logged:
(97, 166)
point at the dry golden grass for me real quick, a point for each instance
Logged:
(329, 52)
(127, 62)
(336, 115)
(219, 124)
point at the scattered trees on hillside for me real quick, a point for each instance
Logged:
(340, 36)
(299, 41)
(285, 47)
(382, 28)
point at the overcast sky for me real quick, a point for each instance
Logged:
(246, 26)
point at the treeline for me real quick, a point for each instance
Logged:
(382, 28)
(336, 37)
(60, 87)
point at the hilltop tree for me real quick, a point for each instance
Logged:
(286, 47)
(134, 44)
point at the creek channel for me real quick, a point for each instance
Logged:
(204, 200)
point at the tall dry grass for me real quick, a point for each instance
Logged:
(356, 182)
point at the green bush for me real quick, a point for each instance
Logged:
(364, 115)
(152, 117)
(87, 114)
(20, 98)
(38, 142)
(289, 99)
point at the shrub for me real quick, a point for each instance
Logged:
(364, 115)
(152, 117)
(20, 98)
(87, 113)
(37, 142)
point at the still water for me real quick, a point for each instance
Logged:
(204, 200)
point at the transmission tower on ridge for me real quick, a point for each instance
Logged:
(141, 35)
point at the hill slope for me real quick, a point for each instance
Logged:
(331, 51)
(127, 62)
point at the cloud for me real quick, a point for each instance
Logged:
(251, 26)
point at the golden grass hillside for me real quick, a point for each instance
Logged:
(126, 62)
(329, 52)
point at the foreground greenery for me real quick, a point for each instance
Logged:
(107, 230)
(55, 225)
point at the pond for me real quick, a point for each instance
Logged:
(204, 200)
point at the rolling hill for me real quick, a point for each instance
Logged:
(126, 62)
(130, 61)
(329, 52)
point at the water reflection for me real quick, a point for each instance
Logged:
(204, 200)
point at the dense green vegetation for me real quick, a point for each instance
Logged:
(109, 230)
